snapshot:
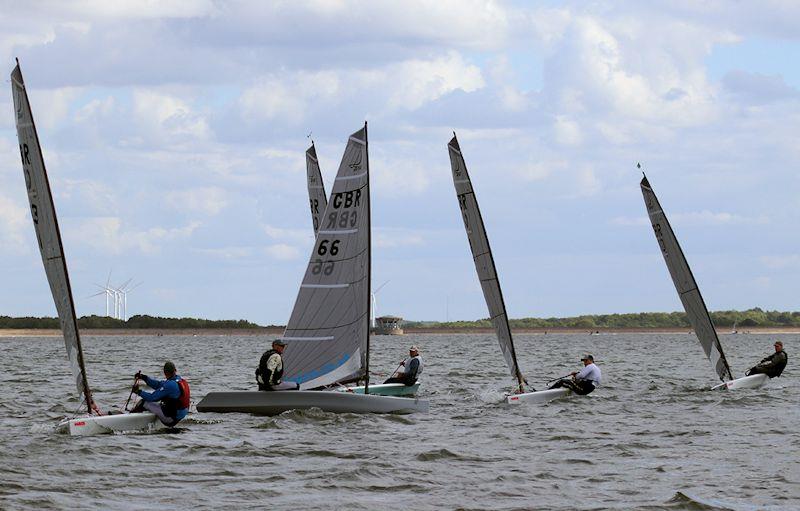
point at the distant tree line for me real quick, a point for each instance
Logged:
(743, 319)
(143, 321)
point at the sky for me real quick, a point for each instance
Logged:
(174, 135)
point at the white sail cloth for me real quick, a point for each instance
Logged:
(327, 333)
(685, 285)
(48, 236)
(482, 255)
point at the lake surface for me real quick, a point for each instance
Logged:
(651, 438)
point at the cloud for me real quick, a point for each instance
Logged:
(780, 262)
(166, 119)
(395, 238)
(292, 96)
(282, 252)
(106, 234)
(14, 219)
(757, 88)
(704, 217)
(208, 201)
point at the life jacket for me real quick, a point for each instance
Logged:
(185, 400)
(171, 405)
(407, 365)
(264, 376)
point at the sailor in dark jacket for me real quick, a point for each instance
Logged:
(772, 365)
(270, 369)
(409, 369)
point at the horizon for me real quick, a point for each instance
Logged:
(176, 154)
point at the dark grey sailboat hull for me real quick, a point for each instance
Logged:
(274, 403)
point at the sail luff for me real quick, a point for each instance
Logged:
(316, 187)
(369, 262)
(45, 223)
(685, 283)
(483, 259)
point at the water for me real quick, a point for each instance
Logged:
(650, 438)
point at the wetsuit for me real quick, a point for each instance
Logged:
(168, 392)
(772, 365)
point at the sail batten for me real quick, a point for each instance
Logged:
(685, 283)
(482, 256)
(48, 235)
(327, 332)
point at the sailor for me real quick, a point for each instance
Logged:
(173, 394)
(584, 381)
(270, 369)
(409, 369)
(772, 365)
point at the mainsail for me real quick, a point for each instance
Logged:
(684, 283)
(482, 255)
(316, 188)
(47, 233)
(328, 331)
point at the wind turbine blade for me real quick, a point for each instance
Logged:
(380, 287)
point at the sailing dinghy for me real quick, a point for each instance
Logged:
(487, 274)
(318, 202)
(690, 296)
(327, 335)
(48, 236)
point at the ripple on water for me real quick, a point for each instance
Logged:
(632, 443)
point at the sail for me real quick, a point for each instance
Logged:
(482, 255)
(316, 188)
(328, 332)
(685, 284)
(45, 224)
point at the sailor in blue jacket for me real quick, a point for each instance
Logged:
(170, 400)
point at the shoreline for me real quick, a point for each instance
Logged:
(278, 331)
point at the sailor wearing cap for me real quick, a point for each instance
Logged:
(270, 369)
(772, 365)
(584, 381)
(409, 369)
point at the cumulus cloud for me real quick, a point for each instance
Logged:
(282, 252)
(108, 236)
(208, 201)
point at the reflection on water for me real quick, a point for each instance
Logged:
(652, 437)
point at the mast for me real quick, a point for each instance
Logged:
(369, 258)
(685, 283)
(48, 234)
(483, 259)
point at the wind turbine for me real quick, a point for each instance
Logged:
(124, 298)
(375, 302)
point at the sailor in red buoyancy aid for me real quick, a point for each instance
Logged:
(173, 394)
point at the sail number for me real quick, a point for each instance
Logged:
(331, 249)
(320, 267)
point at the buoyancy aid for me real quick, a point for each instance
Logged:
(407, 365)
(264, 376)
(171, 405)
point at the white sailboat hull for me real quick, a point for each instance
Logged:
(542, 396)
(748, 382)
(86, 426)
(385, 389)
(274, 403)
